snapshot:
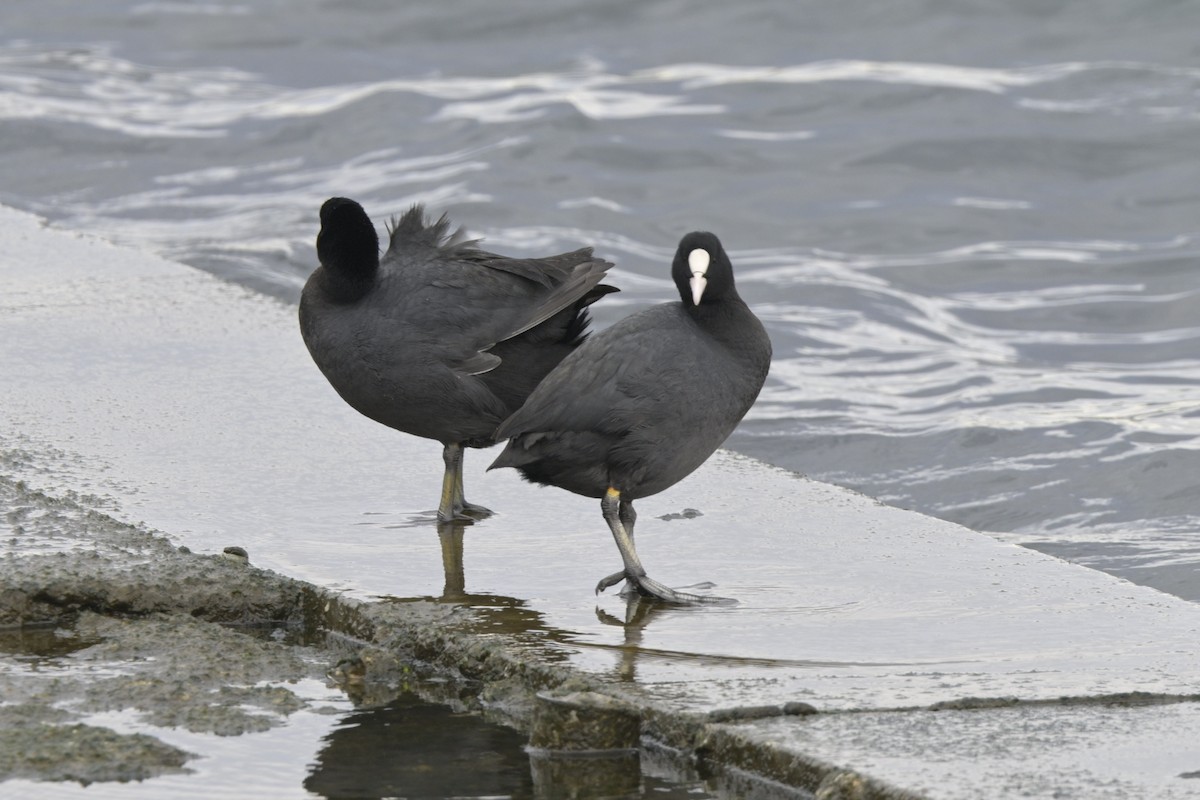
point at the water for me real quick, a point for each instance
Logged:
(971, 228)
(393, 743)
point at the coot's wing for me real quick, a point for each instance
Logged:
(597, 387)
(520, 294)
(561, 281)
(472, 299)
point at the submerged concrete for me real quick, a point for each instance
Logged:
(873, 652)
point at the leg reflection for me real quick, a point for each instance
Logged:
(451, 536)
(638, 613)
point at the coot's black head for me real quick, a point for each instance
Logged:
(702, 271)
(347, 244)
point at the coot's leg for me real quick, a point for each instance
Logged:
(635, 573)
(466, 509)
(453, 505)
(628, 518)
(452, 458)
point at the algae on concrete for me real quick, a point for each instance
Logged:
(99, 616)
(83, 753)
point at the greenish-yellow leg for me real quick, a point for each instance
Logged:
(621, 517)
(454, 505)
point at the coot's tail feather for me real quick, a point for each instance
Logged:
(583, 281)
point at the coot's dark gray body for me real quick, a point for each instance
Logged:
(641, 405)
(439, 339)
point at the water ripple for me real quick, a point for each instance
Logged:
(979, 277)
(91, 85)
(693, 76)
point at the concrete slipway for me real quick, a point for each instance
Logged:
(942, 663)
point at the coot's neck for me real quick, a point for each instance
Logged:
(722, 316)
(351, 265)
(348, 287)
(732, 326)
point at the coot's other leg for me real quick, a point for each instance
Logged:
(466, 509)
(612, 508)
(453, 505)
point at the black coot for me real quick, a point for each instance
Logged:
(439, 338)
(642, 404)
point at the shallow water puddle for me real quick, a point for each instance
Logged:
(74, 728)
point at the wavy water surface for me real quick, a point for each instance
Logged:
(971, 232)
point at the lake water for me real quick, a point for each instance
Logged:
(971, 227)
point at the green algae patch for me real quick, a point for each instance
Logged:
(41, 751)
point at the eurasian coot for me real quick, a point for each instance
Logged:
(642, 404)
(439, 339)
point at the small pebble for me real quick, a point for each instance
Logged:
(237, 554)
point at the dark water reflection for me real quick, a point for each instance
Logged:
(35, 646)
(410, 748)
(413, 749)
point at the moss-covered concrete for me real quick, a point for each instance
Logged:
(83, 753)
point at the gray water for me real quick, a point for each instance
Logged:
(970, 227)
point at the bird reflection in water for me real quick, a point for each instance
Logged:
(404, 746)
(493, 613)
(512, 616)
(638, 613)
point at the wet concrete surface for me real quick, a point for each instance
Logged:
(140, 392)
(1147, 750)
(102, 690)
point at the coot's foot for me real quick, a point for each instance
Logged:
(467, 510)
(611, 580)
(645, 586)
(463, 512)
